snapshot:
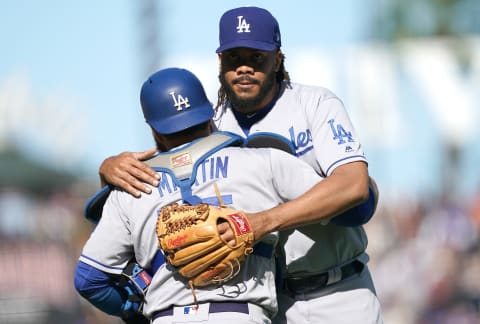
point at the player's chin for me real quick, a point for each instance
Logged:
(246, 94)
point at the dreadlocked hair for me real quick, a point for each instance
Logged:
(281, 76)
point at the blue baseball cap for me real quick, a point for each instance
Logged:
(250, 27)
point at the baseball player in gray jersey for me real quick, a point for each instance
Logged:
(176, 108)
(326, 277)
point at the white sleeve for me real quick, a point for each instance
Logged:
(334, 137)
(109, 247)
(292, 177)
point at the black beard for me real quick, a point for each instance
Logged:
(248, 105)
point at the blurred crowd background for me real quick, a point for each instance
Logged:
(424, 241)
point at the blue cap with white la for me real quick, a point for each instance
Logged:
(249, 27)
(173, 99)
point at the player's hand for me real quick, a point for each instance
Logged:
(255, 220)
(226, 233)
(128, 172)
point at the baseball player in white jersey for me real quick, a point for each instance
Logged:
(175, 106)
(326, 277)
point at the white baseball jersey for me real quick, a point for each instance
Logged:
(248, 179)
(316, 122)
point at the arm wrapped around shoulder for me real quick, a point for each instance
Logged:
(189, 238)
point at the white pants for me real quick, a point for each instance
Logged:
(352, 300)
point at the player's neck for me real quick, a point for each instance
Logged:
(177, 140)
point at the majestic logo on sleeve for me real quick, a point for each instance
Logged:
(339, 133)
(242, 27)
(179, 101)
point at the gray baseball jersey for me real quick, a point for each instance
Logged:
(316, 122)
(248, 179)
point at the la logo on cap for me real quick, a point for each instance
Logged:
(243, 26)
(179, 100)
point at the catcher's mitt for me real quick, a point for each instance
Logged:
(189, 238)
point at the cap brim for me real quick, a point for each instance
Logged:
(261, 46)
(180, 122)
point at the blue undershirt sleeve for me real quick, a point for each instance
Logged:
(99, 289)
(358, 215)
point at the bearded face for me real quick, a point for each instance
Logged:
(248, 102)
(248, 78)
